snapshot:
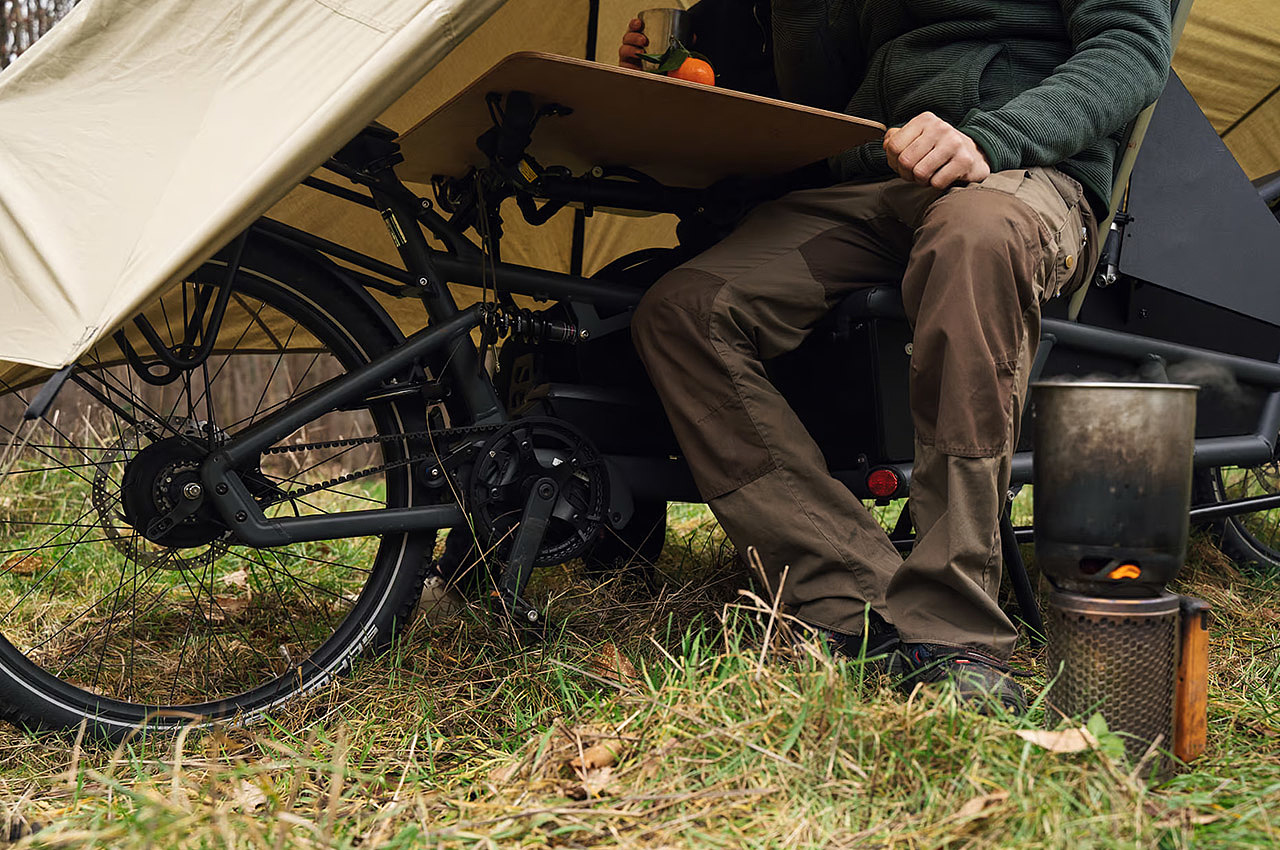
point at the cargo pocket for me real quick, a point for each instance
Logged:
(1058, 202)
(1008, 182)
(1068, 248)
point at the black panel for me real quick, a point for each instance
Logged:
(1199, 226)
(848, 385)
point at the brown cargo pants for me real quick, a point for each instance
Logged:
(975, 262)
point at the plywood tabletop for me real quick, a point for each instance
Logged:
(680, 133)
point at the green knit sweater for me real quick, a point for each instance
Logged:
(1033, 82)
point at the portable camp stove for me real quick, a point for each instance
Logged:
(1113, 467)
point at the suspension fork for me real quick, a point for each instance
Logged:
(461, 362)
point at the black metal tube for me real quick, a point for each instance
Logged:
(285, 530)
(1022, 590)
(471, 383)
(1234, 451)
(1089, 338)
(1250, 505)
(339, 191)
(536, 283)
(599, 192)
(249, 443)
(1246, 450)
(1021, 469)
(539, 284)
(286, 233)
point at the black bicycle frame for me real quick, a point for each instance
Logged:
(445, 344)
(242, 512)
(429, 272)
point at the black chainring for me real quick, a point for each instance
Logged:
(507, 468)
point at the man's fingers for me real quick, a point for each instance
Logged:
(931, 139)
(905, 136)
(948, 175)
(918, 137)
(898, 140)
(633, 43)
(980, 170)
(929, 151)
(888, 137)
(941, 155)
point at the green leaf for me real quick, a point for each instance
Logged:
(1111, 744)
(674, 59)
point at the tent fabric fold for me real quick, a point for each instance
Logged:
(138, 137)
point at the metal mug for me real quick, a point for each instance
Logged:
(1113, 466)
(664, 27)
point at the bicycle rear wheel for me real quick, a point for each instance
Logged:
(100, 624)
(1251, 540)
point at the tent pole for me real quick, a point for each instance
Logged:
(578, 246)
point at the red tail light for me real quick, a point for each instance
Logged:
(883, 483)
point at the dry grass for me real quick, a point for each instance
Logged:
(643, 722)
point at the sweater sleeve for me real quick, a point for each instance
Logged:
(1118, 66)
(813, 63)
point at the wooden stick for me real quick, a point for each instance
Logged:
(1190, 725)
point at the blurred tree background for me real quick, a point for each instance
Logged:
(25, 21)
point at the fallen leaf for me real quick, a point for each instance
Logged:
(598, 755)
(23, 565)
(977, 807)
(248, 797)
(1061, 741)
(610, 662)
(223, 607)
(1184, 818)
(240, 578)
(596, 782)
(506, 773)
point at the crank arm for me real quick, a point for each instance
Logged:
(529, 534)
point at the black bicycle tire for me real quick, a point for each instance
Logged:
(31, 697)
(1232, 536)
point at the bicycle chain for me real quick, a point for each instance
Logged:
(433, 436)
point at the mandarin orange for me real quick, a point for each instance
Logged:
(695, 70)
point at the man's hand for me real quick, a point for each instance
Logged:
(634, 43)
(929, 151)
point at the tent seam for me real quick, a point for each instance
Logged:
(340, 8)
(1236, 123)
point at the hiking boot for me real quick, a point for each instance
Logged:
(880, 640)
(980, 680)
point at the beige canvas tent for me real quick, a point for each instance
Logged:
(137, 138)
(1229, 57)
